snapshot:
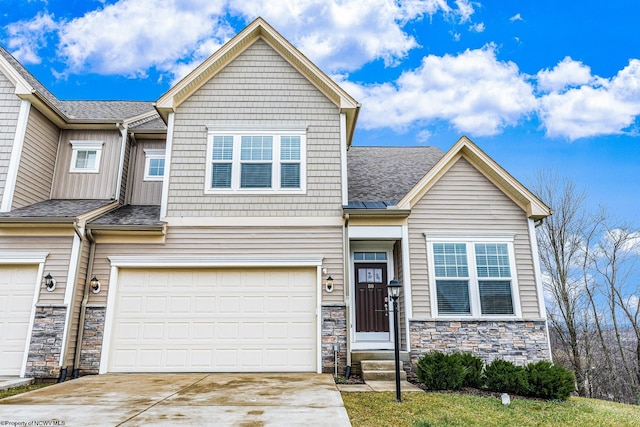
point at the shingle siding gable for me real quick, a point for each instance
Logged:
(258, 88)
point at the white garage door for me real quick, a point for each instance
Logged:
(17, 285)
(214, 320)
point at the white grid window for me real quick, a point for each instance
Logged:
(256, 161)
(85, 156)
(473, 278)
(153, 164)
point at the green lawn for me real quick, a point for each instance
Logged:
(21, 389)
(437, 409)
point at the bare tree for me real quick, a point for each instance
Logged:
(618, 254)
(561, 246)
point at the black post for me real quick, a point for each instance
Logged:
(396, 347)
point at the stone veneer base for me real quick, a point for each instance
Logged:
(43, 360)
(334, 332)
(92, 335)
(520, 342)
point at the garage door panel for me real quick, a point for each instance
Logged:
(214, 320)
(17, 287)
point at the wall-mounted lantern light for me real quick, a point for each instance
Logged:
(50, 282)
(328, 285)
(95, 285)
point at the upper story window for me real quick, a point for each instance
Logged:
(473, 278)
(85, 156)
(153, 164)
(256, 161)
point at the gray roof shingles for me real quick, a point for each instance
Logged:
(82, 110)
(130, 215)
(382, 176)
(57, 208)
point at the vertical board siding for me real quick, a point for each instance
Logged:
(144, 192)
(259, 87)
(9, 111)
(465, 200)
(247, 242)
(37, 163)
(101, 185)
(57, 263)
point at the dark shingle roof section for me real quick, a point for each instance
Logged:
(152, 125)
(131, 215)
(59, 208)
(105, 110)
(386, 174)
(82, 110)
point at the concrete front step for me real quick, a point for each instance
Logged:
(381, 370)
(357, 356)
(382, 375)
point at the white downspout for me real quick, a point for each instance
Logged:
(167, 166)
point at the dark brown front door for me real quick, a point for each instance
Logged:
(371, 298)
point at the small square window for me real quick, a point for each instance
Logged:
(85, 156)
(154, 164)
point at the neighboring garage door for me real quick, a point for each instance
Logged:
(16, 301)
(214, 320)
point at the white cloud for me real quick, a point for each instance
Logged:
(516, 17)
(26, 38)
(121, 38)
(465, 10)
(344, 35)
(603, 107)
(473, 91)
(566, 74)
(477, 28)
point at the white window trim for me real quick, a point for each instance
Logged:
(474, 290)
(77, 146)
(149, 154)
(237, 132)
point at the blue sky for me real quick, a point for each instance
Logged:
(545, 84)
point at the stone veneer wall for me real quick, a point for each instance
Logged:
(520, 342)
(92, 335)
(334, 331)
(43, 360)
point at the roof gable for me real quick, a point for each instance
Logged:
(466, 149)
(260, 29)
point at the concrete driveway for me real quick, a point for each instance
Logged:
(182, 399)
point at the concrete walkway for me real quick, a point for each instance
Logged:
(10, 382)
(183, 399)
(371, 386)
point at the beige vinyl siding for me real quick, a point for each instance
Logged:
(57, 262)
(76, 304)
(100, 185)
(144, 192)
(240, 242)
(465, 200)
(9, 111)
(37, 163)
(258, 88)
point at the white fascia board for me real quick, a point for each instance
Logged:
(375, 232)
(255, 221)
(123, 149)
(185, 262)
(16, 155)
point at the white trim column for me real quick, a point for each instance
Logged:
(167, 166)
(16, 154)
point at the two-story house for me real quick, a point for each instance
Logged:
(231, 226)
